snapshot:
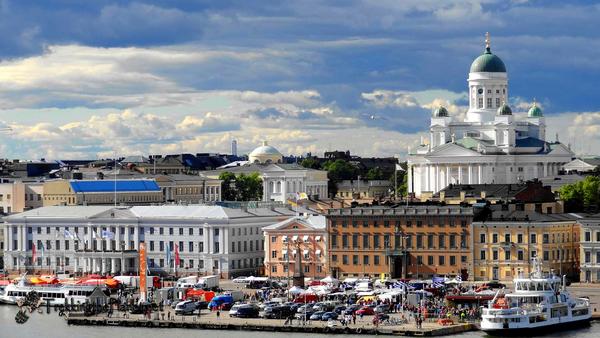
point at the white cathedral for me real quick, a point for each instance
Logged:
(492, 145)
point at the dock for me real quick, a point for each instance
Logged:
(238, 324)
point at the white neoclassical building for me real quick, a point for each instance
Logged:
(491, 145)
(105, 239)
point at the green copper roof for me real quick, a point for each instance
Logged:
(440, 112)
(504, 110)
(489, 63)
(535, 111)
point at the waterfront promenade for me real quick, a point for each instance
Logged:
(210, 320)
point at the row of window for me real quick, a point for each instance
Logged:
(284, 268)
(151, 230)
(557, 254)
(441, 222)
(588, 236)
(433, 241)
(532, 238)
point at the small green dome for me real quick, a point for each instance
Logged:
(535, 111)
(504, 110)
(440, 112)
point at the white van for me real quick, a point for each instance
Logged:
(185, 308)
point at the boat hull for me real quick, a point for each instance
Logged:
(539, 330)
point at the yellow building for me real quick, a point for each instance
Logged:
(504, 245)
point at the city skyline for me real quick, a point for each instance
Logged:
(86, 80)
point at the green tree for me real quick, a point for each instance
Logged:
(581, 195)
(228, 191)
(375, 173)
(310, 163)
(242, 187)
(338, 171)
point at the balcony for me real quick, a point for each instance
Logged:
(395, 252)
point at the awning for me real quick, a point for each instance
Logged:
(318, 252)
(317, 238)
(305, 238)
(293, 252)
(306, 252)
(284, 252)
(284, 238)
(295, 238)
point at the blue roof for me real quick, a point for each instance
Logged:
(530, 142)
(109, 186)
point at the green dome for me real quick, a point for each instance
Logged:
(504, 110)
(535, 111)
(440, 112)
(488, 63)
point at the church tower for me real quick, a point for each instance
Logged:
(488, 86)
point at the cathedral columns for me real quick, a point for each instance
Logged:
(447, 176)
(428, 178)
(545, 169)
(479, 170)
(436, 177)
(470, 174)
(460, 180)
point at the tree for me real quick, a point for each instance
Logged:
(228, 192)
(338, 171)
(310, 163)
(581, 195)
(375, 173)
(241, 188)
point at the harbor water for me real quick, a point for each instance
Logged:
(51, 325)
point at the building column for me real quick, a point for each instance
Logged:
(136, 237)
(470, 174)
(9, 242)
(436, 174)
(428, 178)
(545, 169)
(479, 172)
(19, 238)
(460, 172)
(448, 181)
(113, 266)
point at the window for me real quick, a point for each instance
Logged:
(355, 241)
(495, 255)
(507, 238)
(419, 241)
(190, 246)
(453, 241)
(482, 255)
(273, 239)
(442, 240)
(355, 259)
(453, 260)
(497, 102)
(365, 241)
(494, 238)
(334, 258)
(533, 253)
(480, 102)
(376, 242)
(546, 239)
(442, 260)
(519, 238)
(345, 241)
(588, 256)
(489, 102)
(507, 255)
(375, 224)
(588, 236)
(547, 256)
(345, 259)
(482, 238)
(354, 224)
(430, 260)
(366, 259)
(376, 259)
(181, 231)
(333, 239)
(533, 239)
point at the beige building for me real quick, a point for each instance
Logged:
(363, 189)
(20, 196)
(191, 189)
(101, 192)
(505, 245)
(304, 236)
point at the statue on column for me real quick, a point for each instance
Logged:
(298, 271)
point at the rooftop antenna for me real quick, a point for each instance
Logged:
(487, 41)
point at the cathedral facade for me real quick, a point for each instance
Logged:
(491, 145)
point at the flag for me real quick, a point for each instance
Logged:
(32, 253)
(399, 167)
(68, 234)
(437, 285)
(168, 254)
(108, 234)
(176, 255)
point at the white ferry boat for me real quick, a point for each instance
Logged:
(538, 304)
(56, 294)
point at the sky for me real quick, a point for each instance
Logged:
(90, 79)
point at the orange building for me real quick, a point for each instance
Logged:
(305, 236)
(399, 241)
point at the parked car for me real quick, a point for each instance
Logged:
(365, 311)
(380, 317)
(239, 280)
(301, 315)
(247, 311)
(339, 309)
(185, 308)
(277, 312)
(494, 285)
(329, 315)
(234, 309)
(382, 308)
(350, 310)
(317, 315)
